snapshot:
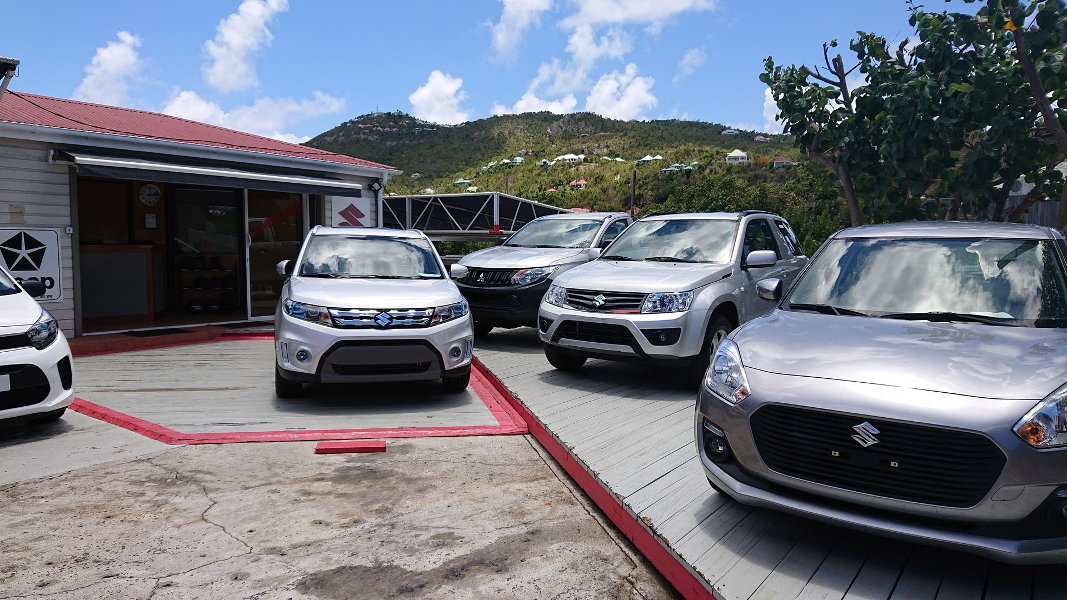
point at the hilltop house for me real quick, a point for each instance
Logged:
(578, 184)
(737, 156)
(782, 161)
(729, 132)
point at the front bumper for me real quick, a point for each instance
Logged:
(40, 381)
(1020, 519)
(674, 337)
(336, 355)
(507, 305)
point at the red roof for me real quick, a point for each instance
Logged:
(45, 111)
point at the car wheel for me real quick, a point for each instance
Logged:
(718, 329)
(50, 416)
(283, 388)
(564, 360)
(456, 383)
(481, 328)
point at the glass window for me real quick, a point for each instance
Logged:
(789, 237)
(556, 233)
(369, 256)
(1018, 282)
(758, 236)
(675, 240)
(614, 230)
(7, 285)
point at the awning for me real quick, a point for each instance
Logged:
(113, 167)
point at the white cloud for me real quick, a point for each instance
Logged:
(107, 76)
(231, 55)
(691, 61)
(515, 19)
(438, 99)
(531, 103)
(621, 95)
(770, 110)
(268, 117)
(607, 12)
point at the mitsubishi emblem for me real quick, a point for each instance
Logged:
(383, 319)
(865, 433)
(599, 300)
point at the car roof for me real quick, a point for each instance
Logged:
(709, 216)
(950, 229)
(584, 215)
(368, 231)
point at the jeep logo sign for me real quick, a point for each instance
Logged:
(33, 254)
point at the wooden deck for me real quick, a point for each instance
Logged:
(632, 429)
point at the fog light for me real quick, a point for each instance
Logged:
(455, 352)
(544, 324)
(303, 355)
(715, 444)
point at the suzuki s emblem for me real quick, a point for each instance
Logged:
(599, 300)
(865, 433)
(384, 319)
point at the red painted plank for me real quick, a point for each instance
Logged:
(345, 447)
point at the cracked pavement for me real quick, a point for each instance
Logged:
(472, 517)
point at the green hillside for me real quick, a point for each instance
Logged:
(435, 156)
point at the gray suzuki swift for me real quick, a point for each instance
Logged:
(912, 383)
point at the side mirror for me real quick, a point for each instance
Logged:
(33, 287)
(285, 268)
(501, 241)
(459, 271)
(769, 289)
(605, 243)
(761, 258)
(593, 253)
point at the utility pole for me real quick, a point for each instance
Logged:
(633, 190)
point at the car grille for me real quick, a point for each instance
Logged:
(29, 385)
(615, 302)
(371, 318)
(602, 333)
(10, 342)
(489, 277)
(917, 463)
(387, 369)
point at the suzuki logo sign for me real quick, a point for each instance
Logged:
(865, 433)
(33, 254)
(352, 212)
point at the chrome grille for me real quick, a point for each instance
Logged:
(489, 277)
(372, 318)
(616, 302)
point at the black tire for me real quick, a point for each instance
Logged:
(283, 388)
(564, 360)
(718, 329)
(51, 416)
(481, 328)
(456, 383)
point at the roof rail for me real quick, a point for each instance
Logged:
(756, 212)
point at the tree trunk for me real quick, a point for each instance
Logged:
(850, 195)
(1061, 212)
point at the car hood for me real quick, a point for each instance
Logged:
(374, 293)
(18, 310)
(511, 257)
(1011, 363)
(619, 276)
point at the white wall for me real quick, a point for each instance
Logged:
(34, 193)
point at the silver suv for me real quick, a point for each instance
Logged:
(504, 284)
(366, 305)
(669, 289)
(913, 383)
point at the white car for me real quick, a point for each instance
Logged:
(370, 305)
(36, 372)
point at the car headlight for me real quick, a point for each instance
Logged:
(528, 276)
(664, 302)
(726, 375)
(1045, 426)
(443, 314)
(308, 312)
(556, 295)
(44, 331)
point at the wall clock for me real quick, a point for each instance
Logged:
(150, 194)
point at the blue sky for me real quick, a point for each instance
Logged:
(293, 69)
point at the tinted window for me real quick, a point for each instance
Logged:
(758, 236)
(682, 240)
(556, 233)
(1018, 281)
(790, 238)
(614, 230)
(369, 256)
(7, 285)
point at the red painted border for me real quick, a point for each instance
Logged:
(508, 420)
(346, 447)
(666, 562)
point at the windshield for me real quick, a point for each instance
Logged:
(369, 256)
(675, 240)
(7, 285)
(556, 233)
(998, 281)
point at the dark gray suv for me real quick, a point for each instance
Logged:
(912, 383)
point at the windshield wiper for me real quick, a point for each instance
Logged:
(949, 317)
(324, 275)
(616, 257)
(827, 309)
(670, 259)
